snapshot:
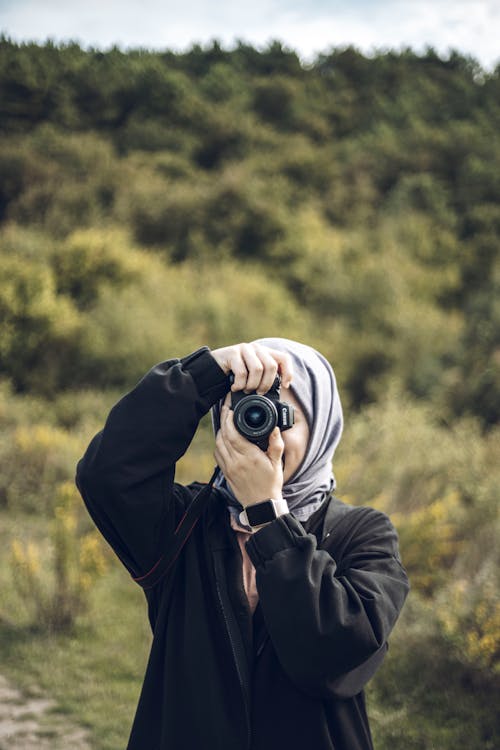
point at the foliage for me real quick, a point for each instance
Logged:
(424, 697)
(39, 327)
(54, 587)
(368, 186)
(34, 460)
(90, 260)
(152, 202)
(469, 604)
(444, 504)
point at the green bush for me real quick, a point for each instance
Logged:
(152, 202)
(34, 459)
(440, 487)
(39, 328)
(171, 311)
(91, 259)
(54, 584)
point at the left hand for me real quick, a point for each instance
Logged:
(252, 474)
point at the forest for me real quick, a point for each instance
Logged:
(154, 202)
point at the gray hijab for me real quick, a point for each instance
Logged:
(315, 388)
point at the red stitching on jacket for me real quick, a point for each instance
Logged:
(140, 578)
(173, 559)
(180, 523)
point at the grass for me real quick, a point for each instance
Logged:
(95, 673)
(421, 699)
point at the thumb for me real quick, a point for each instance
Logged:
(276, 446)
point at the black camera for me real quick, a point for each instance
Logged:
(255, 417)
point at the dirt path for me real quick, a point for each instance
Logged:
(33, 723)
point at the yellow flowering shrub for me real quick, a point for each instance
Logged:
(469, 614)
(55, 579)
(430, 538)
(33, 461)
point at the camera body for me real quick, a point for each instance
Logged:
(255, 416)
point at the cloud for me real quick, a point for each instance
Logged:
(467, 25)
(471, 26)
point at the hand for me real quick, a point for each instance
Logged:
(252, 474)
(254, 366)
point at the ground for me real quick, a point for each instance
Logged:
(30, 721)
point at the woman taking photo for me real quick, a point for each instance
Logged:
(272, 610)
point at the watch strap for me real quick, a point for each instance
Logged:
(264, 512)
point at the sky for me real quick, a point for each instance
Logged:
(308, 26)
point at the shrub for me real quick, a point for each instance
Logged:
(172, 311)
(67, 181)
(89, 259)
(34, 459)
(168, 214)
(39, 328)
(440, 485)
(274, 100)
(54, 584)
(468, 607)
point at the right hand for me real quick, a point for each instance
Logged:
(254, 366)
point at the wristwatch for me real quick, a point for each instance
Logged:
(263, 512)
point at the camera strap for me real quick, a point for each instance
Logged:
(181, 535)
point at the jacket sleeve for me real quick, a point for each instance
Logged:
(329, 624)
(126, 477)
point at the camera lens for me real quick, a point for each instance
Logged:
(255, 417)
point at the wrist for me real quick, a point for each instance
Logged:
(206, 372)
(220, 356)
(269, 496)
(263, 513)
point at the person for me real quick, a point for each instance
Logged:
(265, 631)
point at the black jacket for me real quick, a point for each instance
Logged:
(330, 589)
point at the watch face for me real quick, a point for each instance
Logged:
(260, 513)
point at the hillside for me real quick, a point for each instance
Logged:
(152, 202)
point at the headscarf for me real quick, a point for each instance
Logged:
(315, 388)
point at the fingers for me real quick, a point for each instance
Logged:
(255, 368)
(239, 369)
(251, 473)
(255, 365)
(232, 451)
(232, 441)
(285, 366)
(276, 446)
(221, 453)
(230, 435)
(270, 369)
(228, 441)
(250, 367)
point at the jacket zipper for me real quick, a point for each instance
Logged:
(261, 646)
(245, 688)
